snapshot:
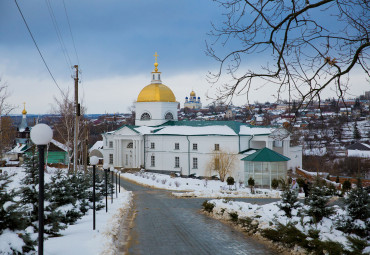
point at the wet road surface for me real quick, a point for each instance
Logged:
(163, 224)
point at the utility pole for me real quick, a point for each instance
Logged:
(86, 138)
(77, 111)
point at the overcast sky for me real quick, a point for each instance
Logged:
(115, 42)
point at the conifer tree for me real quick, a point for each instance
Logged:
(318, 203)
(289, 199)
(357, 206)
(356, 132)
(29, 191)
(11, 213)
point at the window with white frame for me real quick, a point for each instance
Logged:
(130, 145)
(152, 161)
(152, 145)
(195, 163)
(145, 116)
(168, 116)
(177, 146)
(110, 158)
(110, 144)
(195, 146)
(177, 161)
(217, 147)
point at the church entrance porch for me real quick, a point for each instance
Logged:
(127, 153)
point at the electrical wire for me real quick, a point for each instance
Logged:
(34, 41)
(70, 30)
(59, 35)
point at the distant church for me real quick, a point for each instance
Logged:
(192, 102)
(158, 142)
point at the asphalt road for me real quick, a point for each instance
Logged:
(163, 224)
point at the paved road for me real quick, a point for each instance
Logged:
(167, 225)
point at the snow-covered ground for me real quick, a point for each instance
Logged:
(79, 239)
(268, 215)
(190, 187)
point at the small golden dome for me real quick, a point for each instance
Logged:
(192, 94)
(24, 109)
(156, 92)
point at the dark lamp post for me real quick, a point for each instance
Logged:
(106, 170)
(41, 135)
(94, 160)
(112, 170)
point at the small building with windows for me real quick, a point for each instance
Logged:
(159, 142)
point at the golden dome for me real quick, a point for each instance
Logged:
(156, 92)
(24, 109)
(192, 94)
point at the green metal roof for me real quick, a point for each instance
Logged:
(266, 155)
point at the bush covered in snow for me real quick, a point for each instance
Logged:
(289, 223)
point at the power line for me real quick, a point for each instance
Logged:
(70, 30)
(34, 41)
(59, 35)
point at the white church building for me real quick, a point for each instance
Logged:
(158, 142)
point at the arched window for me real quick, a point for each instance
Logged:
(130, 145)
(168, 116)
(145, 116)
(153, 77)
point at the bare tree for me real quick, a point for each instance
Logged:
(222, 163)
(6, 131)
(306, 45)
(64, 128)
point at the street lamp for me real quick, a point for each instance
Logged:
(116, 185)
(94, 160)
(106, 170)
(41, 135)
(112, 170)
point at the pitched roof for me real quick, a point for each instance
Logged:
(266, 155)
(359, 146)
(230, 128)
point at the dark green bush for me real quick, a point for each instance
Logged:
(234, 216)
(346, 186)
(230, 180)
(274, 183)
(207, 206)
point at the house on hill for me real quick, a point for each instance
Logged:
(361, 150)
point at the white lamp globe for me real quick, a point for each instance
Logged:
(94, 160)
(112, 168)
(41, 134)
(105, 166)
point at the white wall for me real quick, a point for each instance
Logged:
(165, 152)
(157, 111)
(358, 153)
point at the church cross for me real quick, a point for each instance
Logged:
(156, 55)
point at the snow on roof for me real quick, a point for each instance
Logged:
(186, 130)
(144, 130)
(97, 146)
(60, 145)
(19, 148)
(245, 130)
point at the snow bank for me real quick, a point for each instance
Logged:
(190, 187)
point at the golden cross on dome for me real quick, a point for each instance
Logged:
(156, 64)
